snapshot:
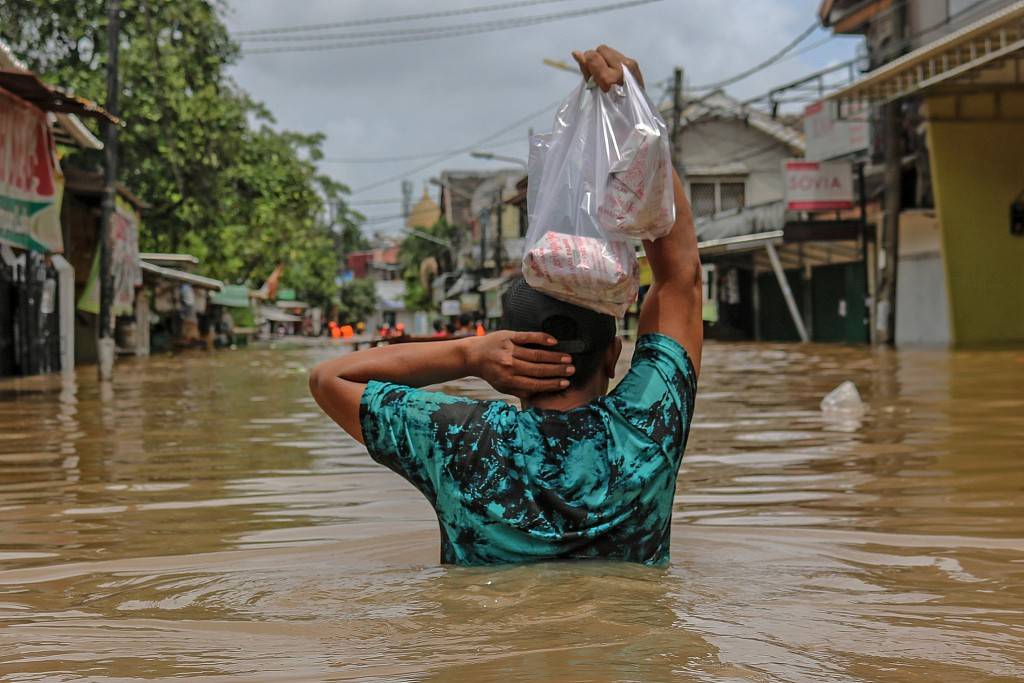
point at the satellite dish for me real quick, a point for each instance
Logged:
(428, 271)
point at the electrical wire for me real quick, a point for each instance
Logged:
(452, 31)
(761, 66)
(396, 18)
(410, 157)
(461, 150)
(367, 202)
(888, 53)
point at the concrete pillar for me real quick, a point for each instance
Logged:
(66, 308)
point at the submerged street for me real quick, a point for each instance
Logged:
(200, 516)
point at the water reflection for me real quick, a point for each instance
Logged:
(204, 518)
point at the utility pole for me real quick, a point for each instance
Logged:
(406, 198)
(105, 345)
(482, 222)
(885, 316)
(499, 241)
(677, 118)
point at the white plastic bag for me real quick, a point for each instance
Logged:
(602, 176)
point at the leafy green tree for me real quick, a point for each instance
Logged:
(357, 299)
(243, 197)
(413, 251)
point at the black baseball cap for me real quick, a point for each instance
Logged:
(578, 330)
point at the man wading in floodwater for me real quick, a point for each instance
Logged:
(576, 473)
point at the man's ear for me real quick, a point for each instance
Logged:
(611, 357)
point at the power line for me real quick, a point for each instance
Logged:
(395, 19)
(461, 150)
(762, 65)
(410, 157)
(367, 202)
(884, 55)
(452, 31)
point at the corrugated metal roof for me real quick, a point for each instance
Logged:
(995, 39)
(181, 276)
(27, 86)
(720, 104)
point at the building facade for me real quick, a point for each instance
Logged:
(945, 87)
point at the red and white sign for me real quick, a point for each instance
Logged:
(30, 179)
(827, 137)
(818, 185)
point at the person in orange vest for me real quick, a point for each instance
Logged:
(480, 331)
(347, 332)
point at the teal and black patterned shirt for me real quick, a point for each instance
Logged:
(514, 486)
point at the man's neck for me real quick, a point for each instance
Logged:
(562, 401)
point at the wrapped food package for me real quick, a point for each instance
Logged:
(602, 275)
(638, 200)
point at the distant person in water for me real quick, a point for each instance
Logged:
(578, 472)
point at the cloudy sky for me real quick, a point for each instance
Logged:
(433, 96)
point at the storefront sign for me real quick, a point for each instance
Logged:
(827, 137)
(817, 186)
(124, 263)
(451, 307)
(30, 180)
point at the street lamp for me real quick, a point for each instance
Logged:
(477, 154)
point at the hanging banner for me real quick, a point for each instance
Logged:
(31, 184)
(818, 186)
(124, 264)
(828, 137)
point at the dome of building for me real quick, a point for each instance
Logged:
(425, 214)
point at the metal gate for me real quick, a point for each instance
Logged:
(29, 320)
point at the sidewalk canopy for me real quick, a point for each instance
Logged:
(161, 259)
(489, 283)
(741, 243)
(234, 296)
(988, 52)
(28, 87)
(181, 276)
(276, 315)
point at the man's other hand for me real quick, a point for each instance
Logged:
(506, 362)
(605, 66)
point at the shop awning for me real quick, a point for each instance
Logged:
(464, 284)
(235, 296)
(987, 52)
(276, 315)
(489, 283)
(181, 276)
(160, 258)
(30, 88)
(68, 129)
(741, 243)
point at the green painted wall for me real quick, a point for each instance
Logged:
(977, 170)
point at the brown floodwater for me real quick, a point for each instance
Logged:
(202, 518)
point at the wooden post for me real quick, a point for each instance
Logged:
(677, 119)
(787, 293)
(105, 345)
(885, 315)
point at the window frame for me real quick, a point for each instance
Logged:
(718, 181)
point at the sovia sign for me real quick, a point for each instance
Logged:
(818, 185)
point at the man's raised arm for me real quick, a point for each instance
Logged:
(673, 303)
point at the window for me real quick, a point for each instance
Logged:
(733, 196)
(709, 197)
(702, 197)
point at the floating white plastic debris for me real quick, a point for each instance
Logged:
(843, 402)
